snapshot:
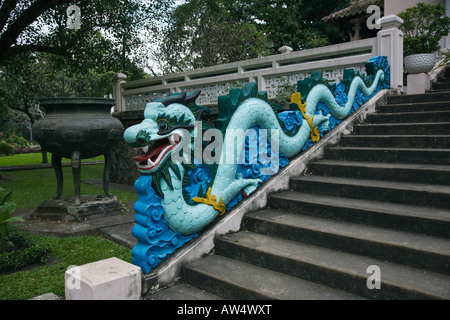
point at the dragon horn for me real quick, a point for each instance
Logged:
(192, 97)
(176, 99)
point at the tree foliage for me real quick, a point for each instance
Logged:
(203, 33)
(424, 25)
(21, 85)
(110, 29)
(295, 23)
(41, 57)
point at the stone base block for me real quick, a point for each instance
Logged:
(110, 279)
(418, 83)
(47, 296)
(91, 207)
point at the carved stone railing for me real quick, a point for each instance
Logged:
(269, 72)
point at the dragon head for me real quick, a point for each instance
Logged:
(167, 125)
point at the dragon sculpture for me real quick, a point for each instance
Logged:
(181, 191)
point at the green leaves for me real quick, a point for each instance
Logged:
(295, 23)
(205, 33)
(4, 197)
(110, 34)
(424, 26)
(6, 210)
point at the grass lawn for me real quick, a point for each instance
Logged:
(32, 158)
(32, 187)
(65, 252)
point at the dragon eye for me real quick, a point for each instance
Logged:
(163, 125)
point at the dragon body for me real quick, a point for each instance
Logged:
(169, 158)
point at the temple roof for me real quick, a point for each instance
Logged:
(357, 7)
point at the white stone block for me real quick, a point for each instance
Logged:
(110, 279)
(418, 83)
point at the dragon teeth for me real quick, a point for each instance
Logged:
(174, 138)
(150, 163)
(145, 149)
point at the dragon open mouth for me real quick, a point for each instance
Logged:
(156, 152)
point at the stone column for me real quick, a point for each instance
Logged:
(120, 103)
(390, 44)
(356, 28)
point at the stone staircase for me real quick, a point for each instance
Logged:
(378, 203)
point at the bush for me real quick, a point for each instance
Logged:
(25, 251)
(6, 148)
(6, 209)
(28, 253)
(11, 141)
(424, 26)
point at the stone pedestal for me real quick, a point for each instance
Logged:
(418, 83)
(91, 207)
(110, 279)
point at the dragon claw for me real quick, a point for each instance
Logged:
(251, 187)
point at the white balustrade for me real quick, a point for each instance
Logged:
(269, 72)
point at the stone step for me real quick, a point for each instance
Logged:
(444, 79)
(414, 98)
(429, 221)
(423, 128)
(427, 195)
(237, 280)
(391, 155)
(416, 173)
(336, 269)
(380, 198)
(414, 107)
(396, 141)
(442, 85)
(439, 90)
(183, 292)
(446, 75)
(409, 117)
(425, 252)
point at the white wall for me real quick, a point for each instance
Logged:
(397, 6)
